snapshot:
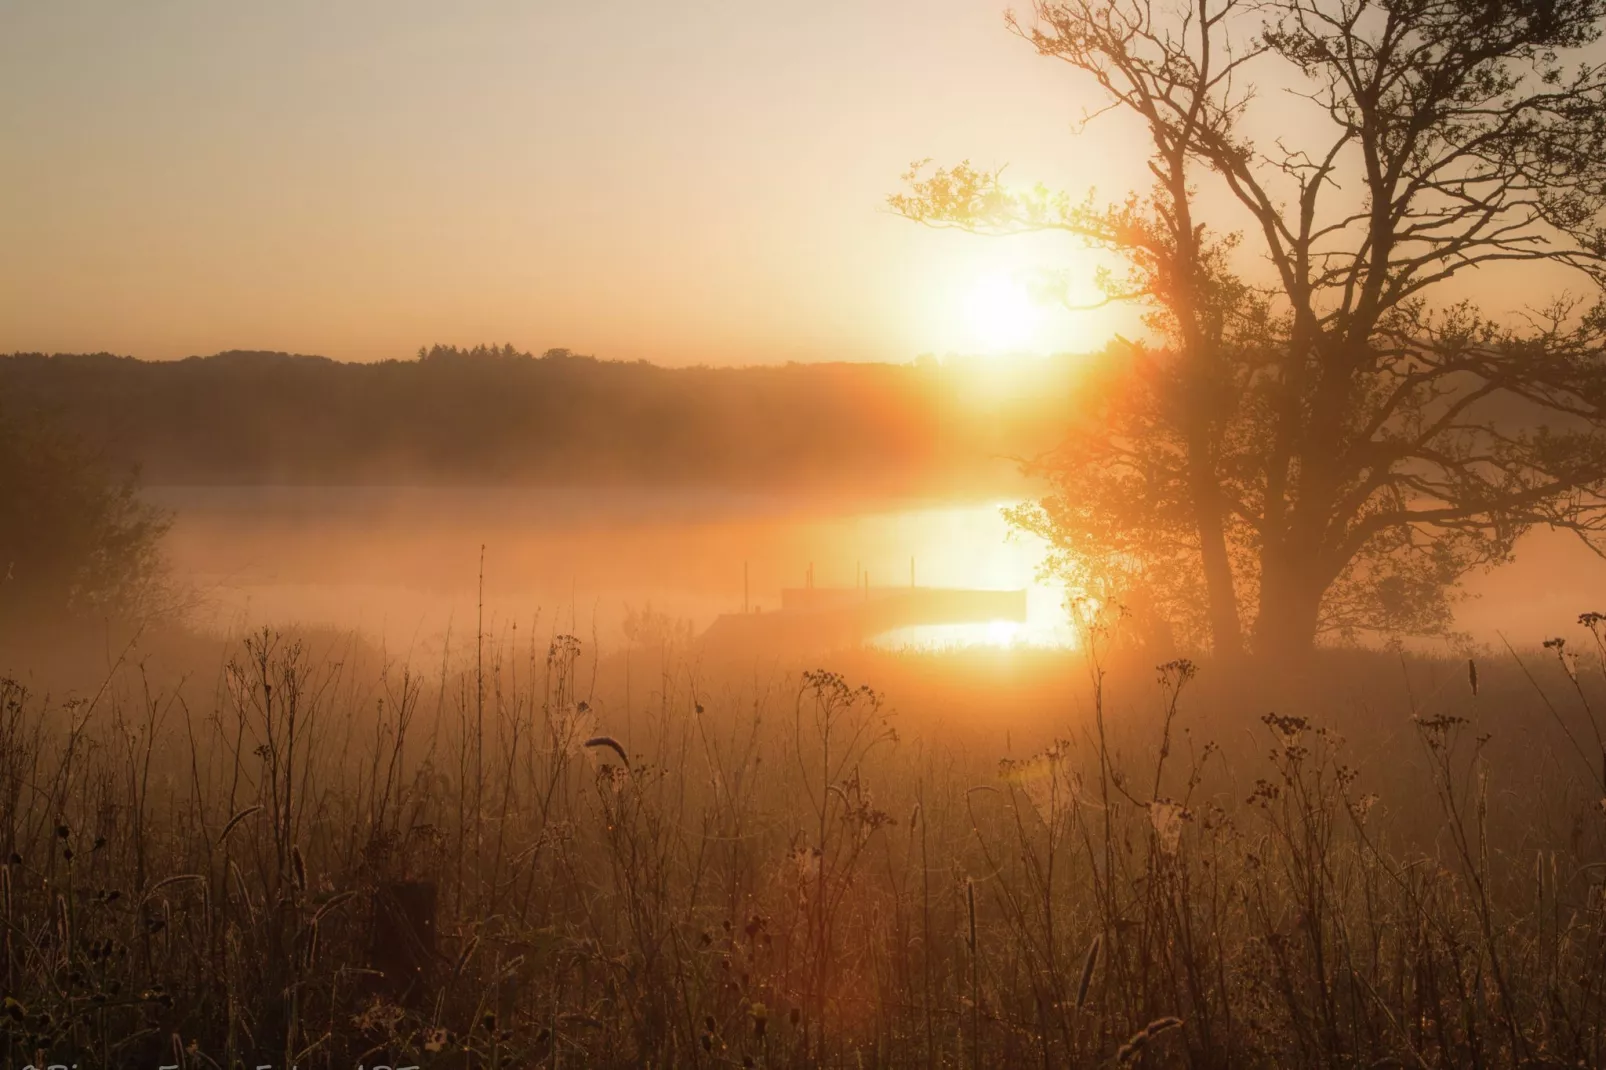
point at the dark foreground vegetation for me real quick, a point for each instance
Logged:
(547, 860)
(493, 415)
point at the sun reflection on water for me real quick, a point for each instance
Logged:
(973, 546)
(407, 572)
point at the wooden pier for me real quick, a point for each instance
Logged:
(812, 618)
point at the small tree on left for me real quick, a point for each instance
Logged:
(76, 540)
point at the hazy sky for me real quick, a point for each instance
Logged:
(698, 181)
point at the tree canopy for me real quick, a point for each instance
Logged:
(1325, 435)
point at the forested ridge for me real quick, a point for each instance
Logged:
(496, 415)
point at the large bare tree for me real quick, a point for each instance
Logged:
(1326, 436)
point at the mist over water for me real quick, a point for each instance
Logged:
(403, 565)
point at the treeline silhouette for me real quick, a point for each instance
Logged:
(496, 415)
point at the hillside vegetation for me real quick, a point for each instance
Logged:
(495, 415)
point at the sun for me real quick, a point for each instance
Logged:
(1000, 313)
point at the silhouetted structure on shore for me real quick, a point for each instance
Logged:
(820, 618)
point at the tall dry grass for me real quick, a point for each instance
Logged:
(544, 859)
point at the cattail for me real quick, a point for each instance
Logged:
(176, 879)
(1483, 819)
(975, 978)
(1136, 1044)
(468, 950)
(334, 901)
(1472, 675)
(298, 868)
(239, 885)
(970, 907)
(914, 817)
(235, 820)
(1089, 962)
(608, 741)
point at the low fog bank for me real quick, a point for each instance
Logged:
(411, 566)
(403, 566)
(412, 501)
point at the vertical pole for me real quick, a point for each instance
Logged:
(745, 587)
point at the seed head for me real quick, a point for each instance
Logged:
(1089, 963)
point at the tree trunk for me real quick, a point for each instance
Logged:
(1226, 635)
(1290, 605)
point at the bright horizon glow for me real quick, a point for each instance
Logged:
(1001, 315)
(995, 634)
(357, 180)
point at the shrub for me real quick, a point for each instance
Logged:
(76, 540)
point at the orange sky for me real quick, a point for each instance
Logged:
(364, 177)
(695, 182)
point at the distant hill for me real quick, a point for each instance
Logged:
(492, 415)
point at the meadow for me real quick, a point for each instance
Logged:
(1280, 320)
(536, 853)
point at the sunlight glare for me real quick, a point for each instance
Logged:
(1002, 632)
(1000, 313)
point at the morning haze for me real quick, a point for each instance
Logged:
(873, 534)
(702, 186)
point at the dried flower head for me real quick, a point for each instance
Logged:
(1167, 817)
(805, 861)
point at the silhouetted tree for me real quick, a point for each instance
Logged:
(1359, 436)
(75, 539)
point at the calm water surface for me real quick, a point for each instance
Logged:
(404, 564)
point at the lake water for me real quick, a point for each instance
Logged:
(404, 564)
